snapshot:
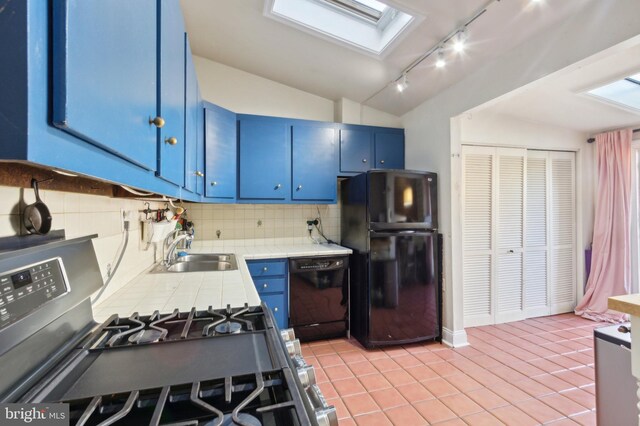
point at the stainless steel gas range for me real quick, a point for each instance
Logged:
(201, 367)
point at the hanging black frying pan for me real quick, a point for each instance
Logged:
(36, 216)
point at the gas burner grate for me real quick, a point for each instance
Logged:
(250, 400)
(157, 328)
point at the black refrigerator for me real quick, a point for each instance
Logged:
(389, 218)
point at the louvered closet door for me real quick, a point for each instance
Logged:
(562, 252)
(477, 232)
(511, 195)
(536, 255)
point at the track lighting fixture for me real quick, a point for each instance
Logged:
(459, 40)
(402, 83)
(455, 40)
(440, 61)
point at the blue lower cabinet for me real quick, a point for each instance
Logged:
(277, 302)
(270, 279)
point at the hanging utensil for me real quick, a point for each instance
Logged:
(36, 217)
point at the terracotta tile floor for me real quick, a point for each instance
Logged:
(537, 371)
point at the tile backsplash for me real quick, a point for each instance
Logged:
(82, 214)
(262, 221)
(79, 215)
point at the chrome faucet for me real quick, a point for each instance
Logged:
(177, 237)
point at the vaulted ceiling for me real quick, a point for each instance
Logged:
(238, 34)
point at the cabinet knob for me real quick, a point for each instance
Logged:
(172, 140)
(214, 183)
(265, 285)
(275, 309)
(381, 161)
(299, 187)
(198, 173)
(278, 186)
(364, 160)
(157, 121)
(510, 251)
(265, 269)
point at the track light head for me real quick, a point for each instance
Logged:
(460, 40)
(402, 83)
(440, 61)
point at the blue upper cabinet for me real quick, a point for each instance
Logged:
(314, 162)
(171, 95)
(367, 147)
(389, 150)
(193, 162)
(221, 154)
(200, 149)
(355, 149)
(104, 75)
(264, 163)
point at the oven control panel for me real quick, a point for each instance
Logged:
(26, 289)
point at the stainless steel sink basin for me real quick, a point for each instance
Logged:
(207, 257)
(196, 266)
(200, 262)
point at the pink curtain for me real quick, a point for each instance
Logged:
(611, 260)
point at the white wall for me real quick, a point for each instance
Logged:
(80, 215)
(246, 93)
(428, 127)
(352, 112)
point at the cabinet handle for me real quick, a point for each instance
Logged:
(381, 161)
(172, 140)
(278, 186)
(299, 187)
(157, 121)
(364, 160)
(198, 173)
(265, 269)
(264, 285)
(275, 309)
(214, 183)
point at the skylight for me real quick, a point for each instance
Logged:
(368, 25)
(625, 92)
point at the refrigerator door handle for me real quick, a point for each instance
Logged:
(401, 233)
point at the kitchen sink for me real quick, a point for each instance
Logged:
(200, 262)
(207, 257)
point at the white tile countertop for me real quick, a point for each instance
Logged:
(183, 290)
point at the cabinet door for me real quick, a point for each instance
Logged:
(221, 153)
(389, 151)
(200, 150)
(355, 150)
(264, 158)
(104, 75)
(191, 131)
(278, 304)
(314, 163)
(172, 41)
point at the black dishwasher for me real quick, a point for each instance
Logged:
(319, 297)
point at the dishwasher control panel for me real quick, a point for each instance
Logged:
(26, 289)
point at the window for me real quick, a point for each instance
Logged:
(625, 92)
(368, 25)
